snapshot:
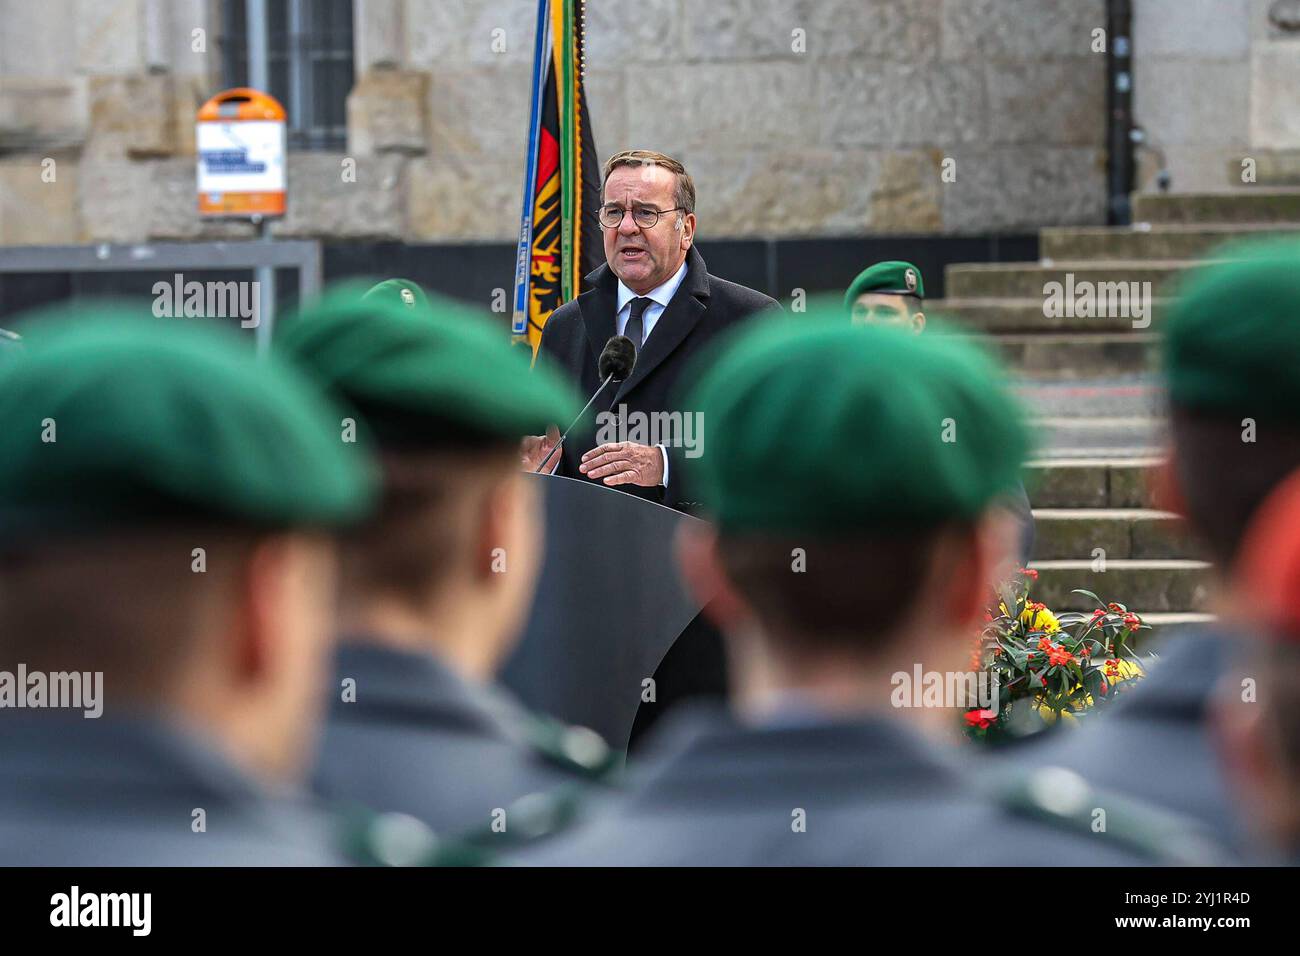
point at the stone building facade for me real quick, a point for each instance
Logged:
(1217, 82)
(797, 117)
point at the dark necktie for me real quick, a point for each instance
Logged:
(635, 321)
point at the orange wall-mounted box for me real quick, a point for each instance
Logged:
(240, 140)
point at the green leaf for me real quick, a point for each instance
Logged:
(1100, 603)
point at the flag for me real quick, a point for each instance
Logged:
(559, 239)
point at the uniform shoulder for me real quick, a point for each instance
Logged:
(1061, 799)
(578, 750)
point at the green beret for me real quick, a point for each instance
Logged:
(1232, 337)
(11, 346)
(453, 380)
(402, 292)
(819, 426)
(888, 278)
(114, 418)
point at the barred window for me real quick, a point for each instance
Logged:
(309, 46)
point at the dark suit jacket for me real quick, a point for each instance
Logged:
(577, 331)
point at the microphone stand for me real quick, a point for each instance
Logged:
(609, 378)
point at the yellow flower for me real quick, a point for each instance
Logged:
(1049, 715)
(1126, 670)
(1038, 618)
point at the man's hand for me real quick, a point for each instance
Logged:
(533, 450)
(624, 463)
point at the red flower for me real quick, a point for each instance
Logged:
(1059, 655)
(980, 718)
(1029, 573)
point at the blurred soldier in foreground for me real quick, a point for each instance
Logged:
(409, 295)
(853, 545)
(1232, 360)
(162, 497)
(893, 294)
(1257, 714)
(434, 590)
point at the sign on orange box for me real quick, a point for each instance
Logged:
(240, 140)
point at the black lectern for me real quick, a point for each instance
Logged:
(609, 605)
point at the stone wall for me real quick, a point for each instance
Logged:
(1215, 82)
(797, 117)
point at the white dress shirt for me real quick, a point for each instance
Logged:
(659, 298)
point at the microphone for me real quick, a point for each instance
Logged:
(617, 359)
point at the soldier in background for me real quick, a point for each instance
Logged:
(163, 561)
(855, 532)
(435, 589)
(888, 293)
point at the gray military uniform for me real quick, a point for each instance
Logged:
(1153, 742)
(713, 792)
(420, 740)
(118, 792)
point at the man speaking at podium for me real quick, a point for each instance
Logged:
(656, 290)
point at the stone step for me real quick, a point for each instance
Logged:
(1272, 168)
(1110, 282)
(1091, 483)
(1101, 397)
(1076, 533)
(1134, 434)
(1068, 453)
(1172, 623)
(1074, 355)
(1249, 204)
(1177, 584)
(1027, 315)
(1074, 243)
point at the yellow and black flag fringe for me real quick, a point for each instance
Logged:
(559, 242)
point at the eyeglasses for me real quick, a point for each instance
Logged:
(647, 217)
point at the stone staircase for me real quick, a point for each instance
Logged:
(1147, 560)
(1095, 399)
(1006, 301)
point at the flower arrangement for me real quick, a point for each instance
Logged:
(1048, 667)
